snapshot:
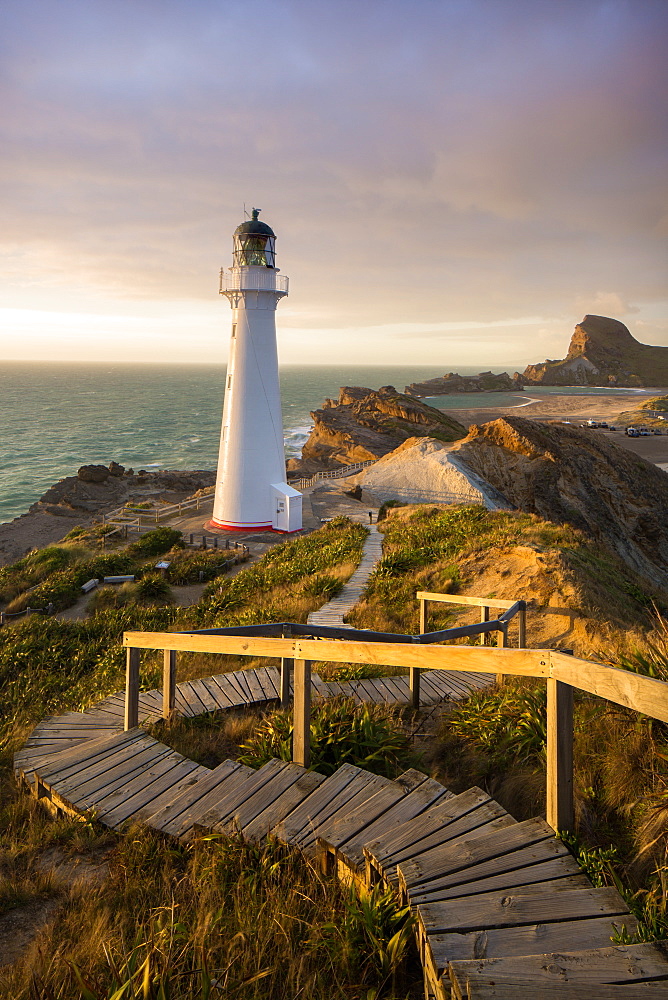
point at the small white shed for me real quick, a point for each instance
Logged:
(287, 508)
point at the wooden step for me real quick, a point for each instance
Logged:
(429, 867)
(482, 989)
(255, 809)
(617, 964)
(51, 763)
(475, 815)
(351, 822)
(176, 817)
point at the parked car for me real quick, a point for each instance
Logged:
(657, 430)
(632, 432)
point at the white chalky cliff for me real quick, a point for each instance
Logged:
(251, 492)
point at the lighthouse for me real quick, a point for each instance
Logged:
(251, 492)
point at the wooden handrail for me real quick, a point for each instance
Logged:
(563, 673)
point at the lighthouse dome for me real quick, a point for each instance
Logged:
(254, 243)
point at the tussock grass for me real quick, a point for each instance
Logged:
(221, 917)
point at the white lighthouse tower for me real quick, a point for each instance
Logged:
(251, 492)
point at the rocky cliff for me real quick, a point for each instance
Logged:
(365, 423)
(603, 352)
(566, 474)
(452, 382)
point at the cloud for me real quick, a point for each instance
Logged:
(421, 163)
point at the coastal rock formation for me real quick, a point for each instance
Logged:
(422, 469)
(452, 382)
(75, 501)
(603, 352)
(365, 424)
(93, 473)
(569, 475)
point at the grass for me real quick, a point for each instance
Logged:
(221, 917)
(342, 732)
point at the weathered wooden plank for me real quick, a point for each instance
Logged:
(335, 791)
(90, 775)
(533, 939)
(112, 809)
(490, 910)
(225, 693)
(216, 811)
(555, 868)
(256, 689)
(341, 828)
(218, 698)
(484, 989)
(399, 687)
(89, 752)
(356, 794)
(168, 682)
(629, 963)
(265, 677)
(262, 796)
(168, 818)
(428, 822)
(191, 694)
(204, 695)
(512, 861)
(283, 805)
(643, 694)
(87, 791)
(477, 819)
(241, 680)
(319, 688)
(478, 846)
(171, 792)
(137, 803)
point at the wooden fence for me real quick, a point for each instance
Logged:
(562, 673)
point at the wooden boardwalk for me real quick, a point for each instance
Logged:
(502, 909)
(334, 611)
(497, 902)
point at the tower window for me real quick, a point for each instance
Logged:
(229, 381)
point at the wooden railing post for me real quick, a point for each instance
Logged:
(484, 617)
(301, 732)
(424, 615)
(414, 684)
(132, 689)
(559, 755)
(522, 627)
(168, 683)
(286, 667)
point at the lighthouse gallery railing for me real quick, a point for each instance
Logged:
(254, 279)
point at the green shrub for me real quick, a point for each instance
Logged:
(509, 722)
(155, 542)
(186, 566)
(153, 589)
(342, 732)
(323, 585)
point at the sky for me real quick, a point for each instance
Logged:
(452, 182)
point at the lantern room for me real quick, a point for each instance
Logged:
(254, 243)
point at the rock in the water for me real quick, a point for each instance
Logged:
(365, 423)
(452, 382)
(603, 352)
(569, 475)
(115, 469)
(93, 473)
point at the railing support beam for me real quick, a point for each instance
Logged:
(560, 814)
(169, 683)
(286, 668)
(131, 689)
(301, 732)
(414, 684)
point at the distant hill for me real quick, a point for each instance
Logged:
(603, 352)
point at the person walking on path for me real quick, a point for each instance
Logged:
(370, 517)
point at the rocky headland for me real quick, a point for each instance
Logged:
(455, 383)
(96, 489)
(365, 424)
(568, 475)
(602, 352)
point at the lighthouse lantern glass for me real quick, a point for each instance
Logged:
(254, 249)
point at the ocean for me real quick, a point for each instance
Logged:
(55, 417)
